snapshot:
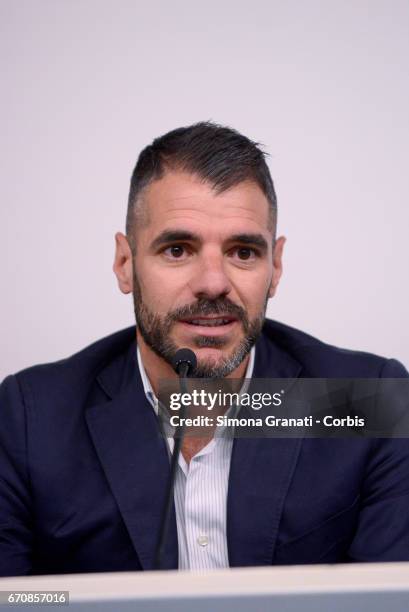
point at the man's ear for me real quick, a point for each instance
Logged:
(123, 263)
(277, 265)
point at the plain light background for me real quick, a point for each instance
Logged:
(87, 83)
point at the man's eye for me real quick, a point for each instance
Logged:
(175, 252)
(245, 253)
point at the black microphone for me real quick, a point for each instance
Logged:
(184, 363)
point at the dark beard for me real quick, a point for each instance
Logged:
(155, 331)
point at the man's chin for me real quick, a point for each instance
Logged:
(214, 361)
(210, 356)
(208, 348)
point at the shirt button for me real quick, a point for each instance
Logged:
(203, 540)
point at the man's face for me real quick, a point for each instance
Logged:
(203, 270)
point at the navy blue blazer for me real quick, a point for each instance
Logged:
(83, 470)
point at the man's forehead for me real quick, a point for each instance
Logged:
(179, 194)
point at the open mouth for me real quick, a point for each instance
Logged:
(209, 321)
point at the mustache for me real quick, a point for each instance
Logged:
(219, 306)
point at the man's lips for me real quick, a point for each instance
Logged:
(210, 325)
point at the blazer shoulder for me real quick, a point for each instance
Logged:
(81, 367)
(320, 359)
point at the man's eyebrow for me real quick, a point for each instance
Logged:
(251, 239)
(168, 236)
(173, 236)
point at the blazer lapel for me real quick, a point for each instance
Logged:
(260, 474)
(135, 459)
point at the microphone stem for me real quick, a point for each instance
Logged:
(177, 439)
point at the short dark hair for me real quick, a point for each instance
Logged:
(217, 154)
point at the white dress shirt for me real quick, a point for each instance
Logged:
(200, 494)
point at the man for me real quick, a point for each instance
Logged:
(83, 467)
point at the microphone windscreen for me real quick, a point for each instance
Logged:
(184, 356)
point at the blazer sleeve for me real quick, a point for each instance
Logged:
(383, 526)
(16, 533)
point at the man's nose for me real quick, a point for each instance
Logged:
(210, 279)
